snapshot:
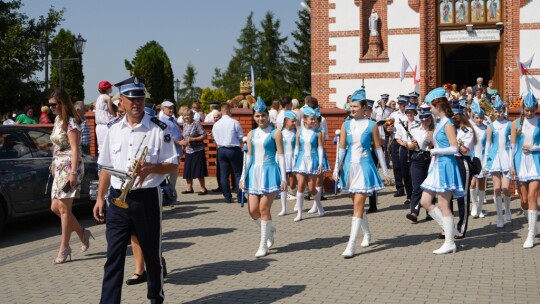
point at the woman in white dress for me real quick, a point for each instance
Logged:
(496, 161)
(359, 175)
(264, 174)
(443, 178)
(478, 183)
(526, 161)
(289, 143)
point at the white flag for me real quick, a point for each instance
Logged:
(404, 66)
(252, 81)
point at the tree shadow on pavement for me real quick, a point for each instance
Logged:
(169, 246)
(255, 295)
(209, 272)
(185, 212)
(318, 243)
(196, 232)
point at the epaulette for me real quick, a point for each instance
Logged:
(464, 129)
(112, 122)
(158, 122)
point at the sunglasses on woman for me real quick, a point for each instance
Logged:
(53, 105)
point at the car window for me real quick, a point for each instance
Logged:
(13, 145)
(43, 143)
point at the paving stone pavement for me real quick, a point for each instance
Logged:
(210, 245)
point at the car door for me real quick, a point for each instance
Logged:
(42, 148)
(17, 170)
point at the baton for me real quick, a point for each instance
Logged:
(244, 150)
(338, 132)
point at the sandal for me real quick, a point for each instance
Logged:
(140, 278)
(187, 191)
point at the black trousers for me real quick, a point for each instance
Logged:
(405, 164)
(373, 196)
(230, 161)
(464, 203)
(419, 172)
(142, 218)
(218, 174)
(396, 167)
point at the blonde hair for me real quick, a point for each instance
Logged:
(45, 109)
(182, 110)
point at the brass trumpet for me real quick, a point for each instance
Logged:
(121, 200)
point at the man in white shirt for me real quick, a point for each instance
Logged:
(213, 110)
(380, 114)
(198, 115)
(398, 116)
(286, 104)
(228, 134)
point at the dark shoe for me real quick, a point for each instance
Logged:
(323, 198)
(412, 217)
(228, 201)
(440, 236)
(459, 237)
(205, 192)
(398, 194)
(141, 278)
(408, 201)
(217, 190)
(372, 210)
(187, 192)
(429, 218)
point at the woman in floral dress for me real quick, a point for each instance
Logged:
(68, 170)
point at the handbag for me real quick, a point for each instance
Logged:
(191, 131)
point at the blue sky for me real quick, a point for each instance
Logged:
(202, 32)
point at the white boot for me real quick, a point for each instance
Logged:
(367, 232)
(263, 246)
(481, 198)
(355, 228)
(436, 214)
(299, 206)
(474, 201)
(507, 211)
(533, 216)
(320, 207)
(449, 245)
(271, 233)
(498, 207)
(313, 208)
(283, 203)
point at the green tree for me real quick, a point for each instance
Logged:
(208, 95)
(271, 50)
(245, 55)
(299, 58)
(189, 92)
(152, 63)
(72, 71)
(19, 57)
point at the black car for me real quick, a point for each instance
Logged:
(25, 183)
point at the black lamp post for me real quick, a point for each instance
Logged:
(78, 44)
(177, 89)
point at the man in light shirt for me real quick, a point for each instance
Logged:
(214, 105)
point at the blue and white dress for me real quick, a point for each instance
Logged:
(359, 174)
(443, 173)
(481, 135)
(263, 176)
(307, 161)
(498, 156)
(527, 165)
(289, 142)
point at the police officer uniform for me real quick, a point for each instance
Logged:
(404, 154)
(465, 138)
(420, 160)
(122, 146)
(380, 114)
(395, 146)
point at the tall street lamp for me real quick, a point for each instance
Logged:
(177, 89)
(78, 44)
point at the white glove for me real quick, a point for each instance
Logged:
(281, 162)
(444, 151)
(341, 157)
(246, 167)
(382, 162)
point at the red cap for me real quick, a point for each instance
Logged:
(104, 85)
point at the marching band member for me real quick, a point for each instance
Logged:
(401, 137)
(397, 116)
(264, 173)
(478, 183)
(496, 159)
(289, 142)
(422, 139)
(466, 141)
(443, 177)
(308, 165)
(526, 161)
(373, 197)
(359, 175)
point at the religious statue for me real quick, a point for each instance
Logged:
(373, 23)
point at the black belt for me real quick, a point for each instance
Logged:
(232, 147)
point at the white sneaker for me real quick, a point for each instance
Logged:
(290, 197)
(481, 214)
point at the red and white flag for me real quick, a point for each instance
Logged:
(523, 66)
(416, 74)
(404, 66)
